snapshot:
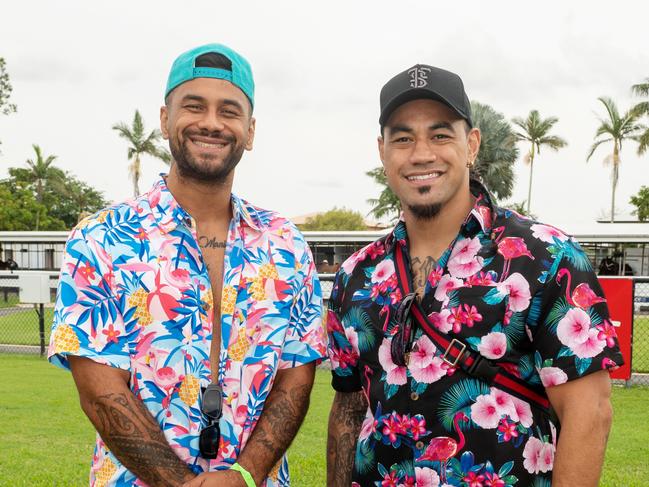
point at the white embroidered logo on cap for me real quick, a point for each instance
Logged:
(418, 76)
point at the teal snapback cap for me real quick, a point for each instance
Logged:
(237, 71)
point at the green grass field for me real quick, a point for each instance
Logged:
(46, 440)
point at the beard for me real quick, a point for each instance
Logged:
(201, 169)
(425, 211)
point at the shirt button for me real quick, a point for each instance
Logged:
(419, 445)
(414, 396)
(206, 306)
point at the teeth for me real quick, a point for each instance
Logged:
(423, 177)
(208, 146)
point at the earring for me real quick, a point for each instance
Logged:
(469, 164)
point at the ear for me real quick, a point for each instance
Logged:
(164, 120)
(473, 141)
(381, 144)
(251, 133)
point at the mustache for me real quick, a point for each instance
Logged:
(212, 135)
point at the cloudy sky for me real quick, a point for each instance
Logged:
(79, 67)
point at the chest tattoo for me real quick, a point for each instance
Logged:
(211, 243)
(421, 268)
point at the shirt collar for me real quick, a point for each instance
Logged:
(482, 214)
(169, 214)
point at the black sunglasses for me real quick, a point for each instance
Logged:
(208, 440)
(401, 342)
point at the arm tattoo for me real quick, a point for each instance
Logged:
(421, 269)
(131, 433)
(278, 424)
(345, 421)
(211, 243)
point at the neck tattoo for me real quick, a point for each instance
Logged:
(211, 243)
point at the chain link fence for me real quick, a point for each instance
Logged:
(21, 324)
(640, 337)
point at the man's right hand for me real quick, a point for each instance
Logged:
(126, 425)
(345, 420)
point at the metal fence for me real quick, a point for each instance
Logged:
(24, 328)
(640, 334)
(20, 324)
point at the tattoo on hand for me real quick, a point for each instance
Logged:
(421, 269)
(127, 428)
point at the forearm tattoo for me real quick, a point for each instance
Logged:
(421, 269)
(280, 421)
(131, 433)
(345, 421)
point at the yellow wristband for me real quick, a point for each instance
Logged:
(250, 482)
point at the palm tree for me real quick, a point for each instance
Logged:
(642, 108)
(498, 151)
(535, 130)
(387, 204)
(41, 173)
(615, 129)
(140, 144)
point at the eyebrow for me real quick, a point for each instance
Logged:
(226, 101)
(410, 130)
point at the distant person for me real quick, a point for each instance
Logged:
(458, 344)
(608, 267)
(11, 264)
(191, 319)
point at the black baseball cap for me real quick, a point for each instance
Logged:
(424, 81)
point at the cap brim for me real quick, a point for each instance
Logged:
(416, 94)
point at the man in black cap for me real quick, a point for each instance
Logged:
(460, 342)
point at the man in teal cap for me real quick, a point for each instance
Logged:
(191, 319)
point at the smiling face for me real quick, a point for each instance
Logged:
(208, 124)
(425, 148)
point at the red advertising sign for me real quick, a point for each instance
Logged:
(619, 297)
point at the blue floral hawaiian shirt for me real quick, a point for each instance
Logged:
(135, 294)
(520, 294)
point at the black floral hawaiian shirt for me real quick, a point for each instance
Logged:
(521, 295)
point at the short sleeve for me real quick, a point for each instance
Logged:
(574, 336)
(305, 338)
(342, 355)
(87, 314)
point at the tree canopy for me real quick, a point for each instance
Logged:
(641, 203)
(41, 196)
(335, 219)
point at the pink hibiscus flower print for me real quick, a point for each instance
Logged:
(383, 271)
(441, 320)
(465, 250)
(493, 345)
(396, 375)
(532, 455)
(465, 269)
(573, 327)
(504, 403)
(518, 289)
(523, 412)
(426, 477)
(446, 284)
(484, 412)
(547, 233)
(552, 376)
(591, 347)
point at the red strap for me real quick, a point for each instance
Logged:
(503, 379)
